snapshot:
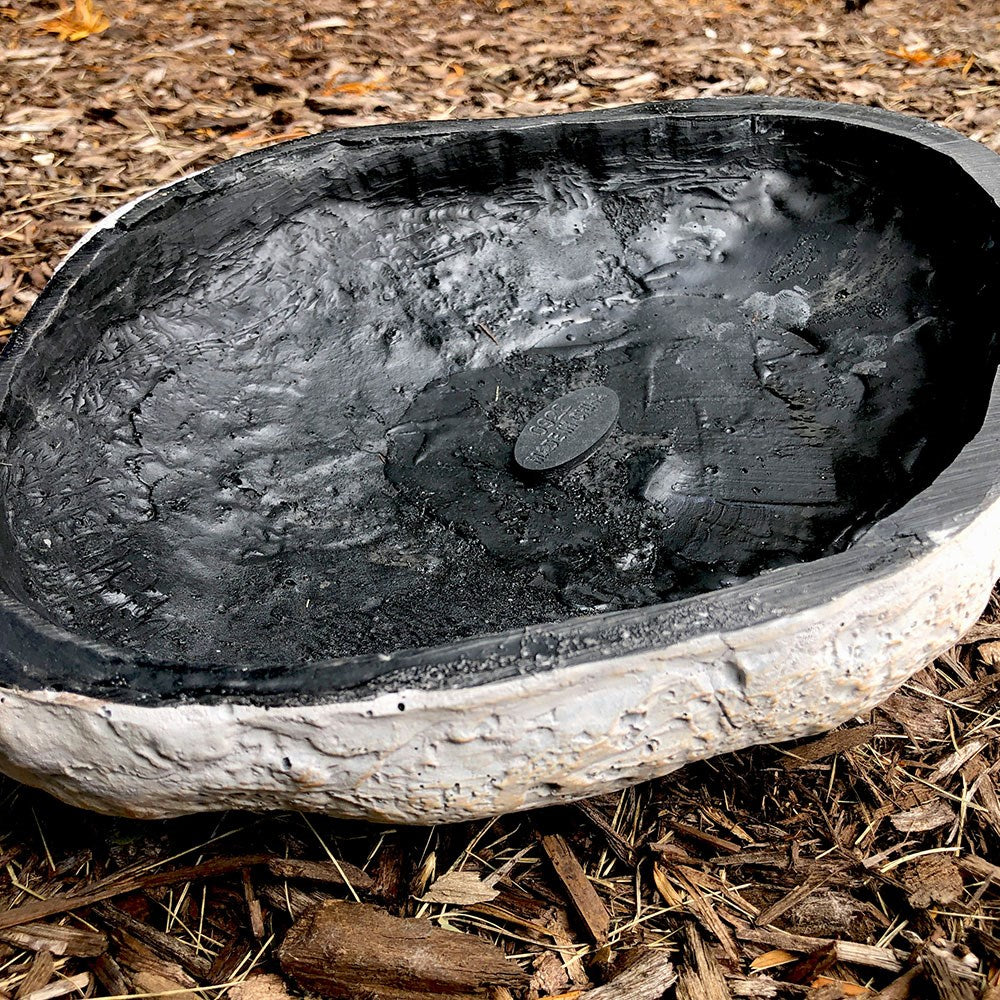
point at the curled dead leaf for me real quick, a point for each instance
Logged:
(78, 22)
(921, 57)
(770, 959)
(355, 87)
(847, 989)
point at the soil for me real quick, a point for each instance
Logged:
(833, 868)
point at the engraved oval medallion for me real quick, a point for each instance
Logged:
(567, 430)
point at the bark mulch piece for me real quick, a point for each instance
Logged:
(865, 863)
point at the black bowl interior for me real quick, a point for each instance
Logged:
(274, 419)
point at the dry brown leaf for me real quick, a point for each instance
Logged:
(921, 57)
(770, 959)
(78, 22)
(846, 989)
(357, 87)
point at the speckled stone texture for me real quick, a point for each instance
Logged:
(266, 543)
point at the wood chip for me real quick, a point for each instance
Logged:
(839, 741)
(849, 952)
(391, 870)
(56, 939)
(109, 974)
(646, 978)
(819, 961)
(948, 985)
(901, 988)
(700, 976)
(979, 867)
(327, 872)
(606, 73)
(326, 22)
(150, 973)
(130, 880)
(61, 987)
(266, 986)
(762, 988)
(548, 975)
(932, 879)
(582, 896)
(231, 957)
(38, 975)
(637, 82)
(342, 950)
(619, 846)
(460, 888)
(254, 911)
(704, 910)
(693, 833)
(925, 817)
(165, 946)
(814, 881)
(953, 763)
(291, 900)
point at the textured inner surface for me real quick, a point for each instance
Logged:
(277, 423)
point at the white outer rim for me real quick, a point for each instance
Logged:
(540, 739)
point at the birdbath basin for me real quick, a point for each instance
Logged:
(430, 471)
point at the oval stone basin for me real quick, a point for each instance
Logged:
(429, 471)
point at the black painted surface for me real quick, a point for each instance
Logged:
(565, 432)
(271, 421)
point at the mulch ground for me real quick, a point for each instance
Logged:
(864, 863)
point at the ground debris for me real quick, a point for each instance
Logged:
(164, 946)
(341, 950)
(701, 976)
(56, 939)
(646, 977)
(819, 748)
(149, 972)
(586, 903)
(38, 975)
(266, 986)
(870, 846)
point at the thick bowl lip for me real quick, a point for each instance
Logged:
(38, 655)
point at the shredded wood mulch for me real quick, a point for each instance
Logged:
(864, 863)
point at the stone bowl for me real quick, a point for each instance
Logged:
(268, 540)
